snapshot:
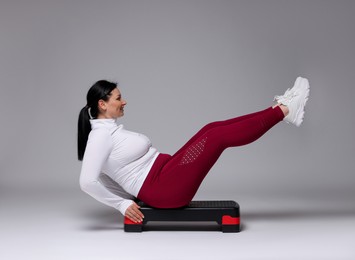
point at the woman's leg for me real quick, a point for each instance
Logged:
(176, 183)
(224, 123)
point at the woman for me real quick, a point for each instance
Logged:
(119, 165)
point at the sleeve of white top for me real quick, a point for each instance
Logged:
(97, 151)
(114, 187)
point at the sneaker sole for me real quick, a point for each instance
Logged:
(303, 85)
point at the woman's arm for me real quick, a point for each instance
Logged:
(98, 149)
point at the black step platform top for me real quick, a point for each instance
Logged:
(200, 204)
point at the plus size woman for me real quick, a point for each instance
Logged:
(119, 165)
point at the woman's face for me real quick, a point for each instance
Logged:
(113, 107)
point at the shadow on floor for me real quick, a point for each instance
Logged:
(102, 219)
(298, 214)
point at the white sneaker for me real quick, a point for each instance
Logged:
(295, 99)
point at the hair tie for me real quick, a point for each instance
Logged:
(89, 112)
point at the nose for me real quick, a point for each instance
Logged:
(124, 102)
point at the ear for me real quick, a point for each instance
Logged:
(102, 105)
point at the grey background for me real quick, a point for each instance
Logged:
(180, 65)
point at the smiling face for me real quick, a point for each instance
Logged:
(113, 107)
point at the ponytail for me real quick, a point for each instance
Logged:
(84, 128)
(100, 90)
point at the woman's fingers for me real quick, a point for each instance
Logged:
(133, 213)
(137, 211)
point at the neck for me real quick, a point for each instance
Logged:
(104, 117)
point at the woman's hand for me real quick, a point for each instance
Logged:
(133, 213)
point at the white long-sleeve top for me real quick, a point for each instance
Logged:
(115, 164)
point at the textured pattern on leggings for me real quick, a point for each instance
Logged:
(193, 152)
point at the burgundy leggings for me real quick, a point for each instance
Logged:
(174, 180)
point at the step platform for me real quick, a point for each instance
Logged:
(225, 213)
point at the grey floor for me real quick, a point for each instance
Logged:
(72, 226)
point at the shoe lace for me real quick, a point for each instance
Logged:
(287, 97)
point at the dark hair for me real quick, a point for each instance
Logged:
(100, 90)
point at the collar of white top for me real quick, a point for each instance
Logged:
(103, 123)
